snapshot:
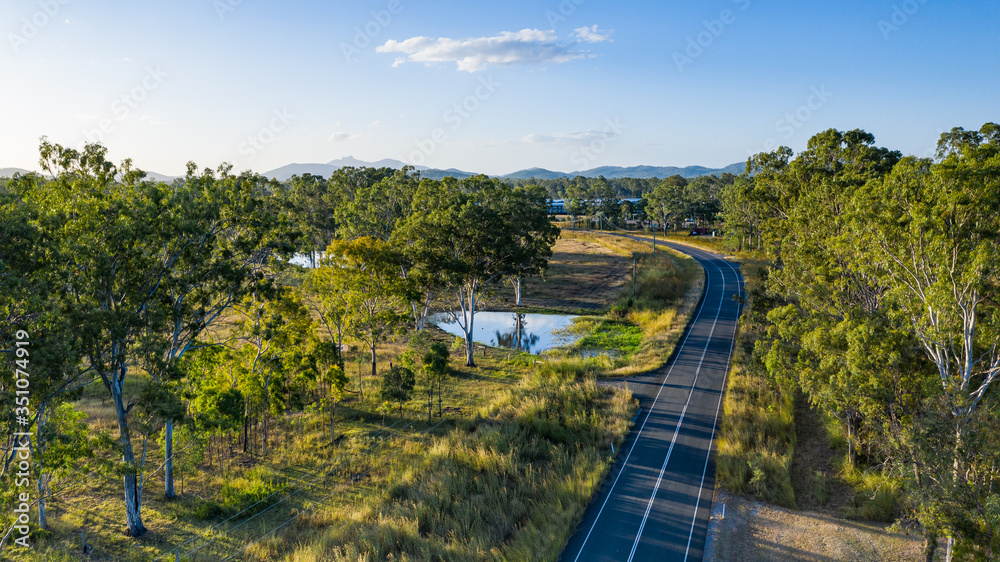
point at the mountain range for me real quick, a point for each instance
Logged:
(9, 173)
(610, 172)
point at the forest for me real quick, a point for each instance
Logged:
(170, 353)
(873, 284)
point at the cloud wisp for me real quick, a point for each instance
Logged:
(509, 48)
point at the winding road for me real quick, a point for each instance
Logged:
(656, 500)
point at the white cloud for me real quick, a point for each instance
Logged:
(376, 123)
(340, 136)
(474, 54)
(591, 35)
(572, 138)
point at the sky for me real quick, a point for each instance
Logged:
(491, 87)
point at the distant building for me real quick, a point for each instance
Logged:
(558, 206)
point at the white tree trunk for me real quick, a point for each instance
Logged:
(133, 492)
(168, 466)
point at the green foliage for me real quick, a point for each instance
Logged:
(397, 384)
(470, 235)
(883, 290)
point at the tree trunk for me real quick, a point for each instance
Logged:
(517, 291)
(374, 371)
(333, 423)
(850, 440)
(133, 494)
(263, 438)
(168, 465)
(422, 319)
(930, 545)
(470, 349)
(246, 425)
(43, 522)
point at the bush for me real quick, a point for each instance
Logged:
(252, 491)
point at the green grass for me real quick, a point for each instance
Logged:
(668, 287)
(757, 440)
(509, 484)
(614, 335)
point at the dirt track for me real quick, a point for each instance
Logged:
(757, 531)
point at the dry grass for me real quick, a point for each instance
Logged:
(584, 276)
(668, 288)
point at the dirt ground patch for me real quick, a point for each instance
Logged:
(582, 275)
(757, 531)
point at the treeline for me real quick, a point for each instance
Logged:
(179, 299)
(881, 303)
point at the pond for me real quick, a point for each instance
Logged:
(534, 334)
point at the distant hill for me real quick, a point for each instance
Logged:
(161, 177)
(9, 172)
(610, 172)
(435, 174)
(614, 172)
(326, 170)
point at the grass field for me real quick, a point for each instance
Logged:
(503, 473)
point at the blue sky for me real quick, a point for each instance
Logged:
(491, 87)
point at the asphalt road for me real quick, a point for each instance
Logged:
(656, 500)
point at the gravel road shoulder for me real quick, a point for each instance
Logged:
(757, 531)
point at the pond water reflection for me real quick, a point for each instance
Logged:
(532, 333)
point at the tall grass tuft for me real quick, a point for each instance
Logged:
(508, 484)
(757, 440)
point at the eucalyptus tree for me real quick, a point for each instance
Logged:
(931, 236)
(369, 268)
(39, 347)
(471, 233)
(666, 204)
(272, 339)
(534, 235)
(837, 314)
(326, 291)
(312, 205)
(435, 368)
(149, 267)
(378, 207)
